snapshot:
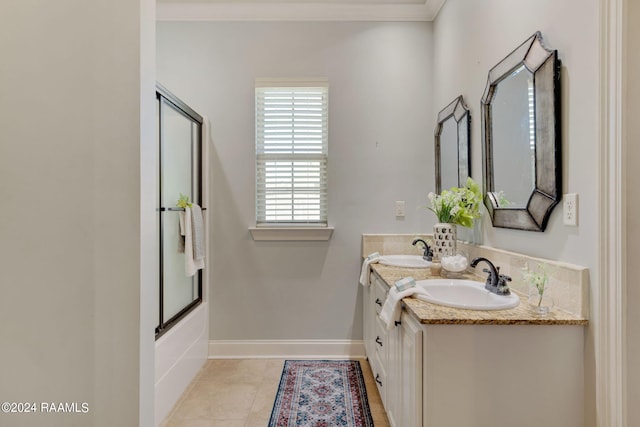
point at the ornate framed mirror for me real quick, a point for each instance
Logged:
(521, 137)
(453, 162)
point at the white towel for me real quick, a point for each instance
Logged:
(181, 232)
(197, 228)
(392, 309)
(364, 272)
(191, 265)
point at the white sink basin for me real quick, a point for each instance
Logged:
(411, 261)
(469, 294)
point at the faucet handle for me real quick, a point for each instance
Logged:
(502, 288)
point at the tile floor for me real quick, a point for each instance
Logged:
(240, 393)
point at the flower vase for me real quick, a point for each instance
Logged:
(539, 299)
(472, 235)
(444, 238)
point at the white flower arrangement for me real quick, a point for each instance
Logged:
(537, 279)
(458, 205)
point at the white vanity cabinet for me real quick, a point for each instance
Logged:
(503, 375)
(463, 374)
(404, 373)
(375, 334)
(410, 369)
(395, 357)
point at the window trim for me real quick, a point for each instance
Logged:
(294, 233)
(274, 230)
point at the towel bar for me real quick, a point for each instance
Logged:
(176, 209)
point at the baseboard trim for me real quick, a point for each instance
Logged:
(286, 349)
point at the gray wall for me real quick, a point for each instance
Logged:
(70, 269)
(472, 36)
(380, 150)
(632, 128)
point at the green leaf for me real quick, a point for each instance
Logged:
(458, 205)
(183, 202)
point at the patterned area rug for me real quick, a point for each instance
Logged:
(321, 393)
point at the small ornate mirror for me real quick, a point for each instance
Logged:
(521, 130)
(453, 163)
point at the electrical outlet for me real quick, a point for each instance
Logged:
(570, 209)
(400, 208)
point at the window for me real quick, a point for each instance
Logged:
(291, 153)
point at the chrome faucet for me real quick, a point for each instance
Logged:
(428, 253)
(496, 282)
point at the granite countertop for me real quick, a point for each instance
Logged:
(428, 313)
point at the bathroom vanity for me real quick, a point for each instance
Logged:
(395, 357)
(441, 366)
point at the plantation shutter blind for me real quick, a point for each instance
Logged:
(291, 152)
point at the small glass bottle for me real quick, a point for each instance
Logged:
(435, 266)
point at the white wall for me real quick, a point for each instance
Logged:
(70, 129)
(380, 151)
(470, 37)
(632, 127)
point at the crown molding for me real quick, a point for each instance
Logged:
(297, 11)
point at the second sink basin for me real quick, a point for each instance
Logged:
(469, 294)
(410, 261)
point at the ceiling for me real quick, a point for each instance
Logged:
(298, 10)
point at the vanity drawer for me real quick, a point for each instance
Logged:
(380, 341)
(379, 375)
(380, 292)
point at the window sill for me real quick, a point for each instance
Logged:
(290, 233)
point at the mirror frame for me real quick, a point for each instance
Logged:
(544, 64)
(458, 111)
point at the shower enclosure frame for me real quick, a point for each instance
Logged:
(165, 97)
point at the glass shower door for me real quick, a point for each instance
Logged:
(179, 163)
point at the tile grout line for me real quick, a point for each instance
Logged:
(253, 402)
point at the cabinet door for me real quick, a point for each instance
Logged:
(393, 404)
(380, 290)
(371, 332)
(410, 337)
(377, 345)
(380, 376)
